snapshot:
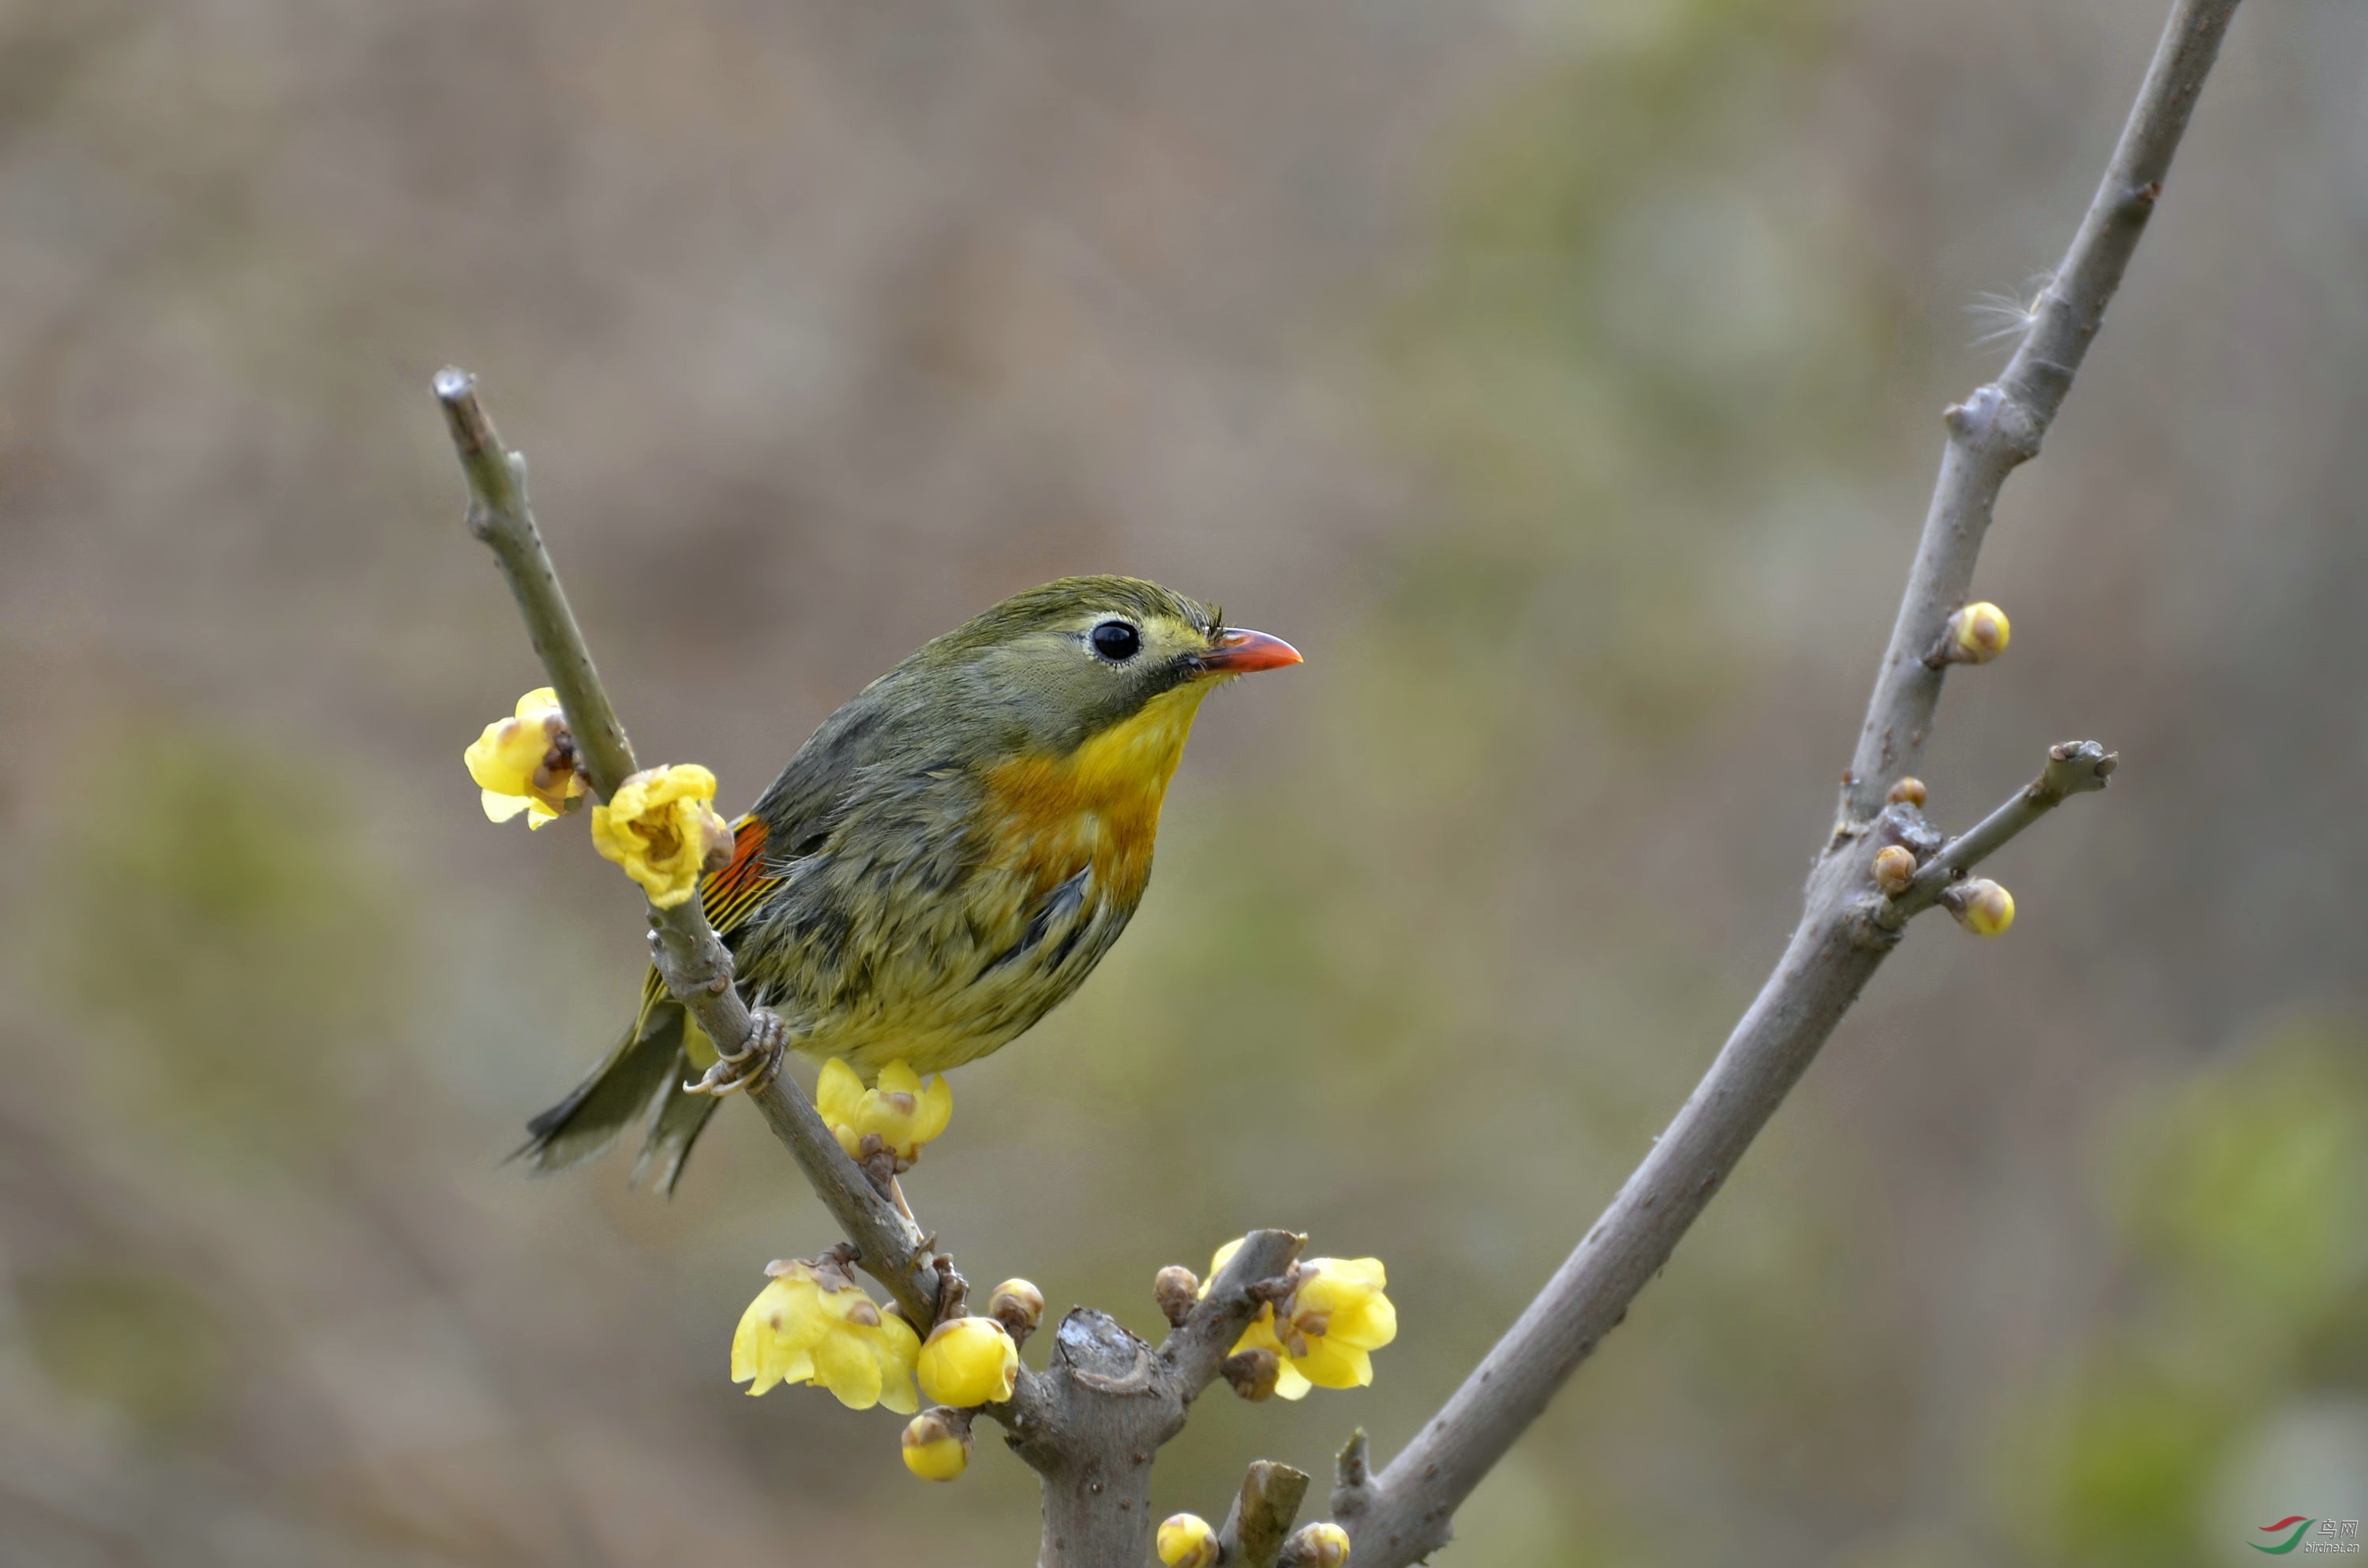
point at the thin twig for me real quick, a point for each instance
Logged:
(2075, 768)
(697, 965)
(1404, 1513)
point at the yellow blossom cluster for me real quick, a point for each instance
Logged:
(527, 762)
(662, 827)
(900, 1113)
(814, 1324)
(1325, 1331)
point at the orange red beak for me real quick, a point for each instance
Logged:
(1238, 651)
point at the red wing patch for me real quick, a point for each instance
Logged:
(731, 893)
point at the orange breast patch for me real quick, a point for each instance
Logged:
(1100, 804)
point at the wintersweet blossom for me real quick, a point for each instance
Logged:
(660, 827)
(1325, 1331)
(900, 1113)
(967, 1362)
(813, 1325)
(527, 762)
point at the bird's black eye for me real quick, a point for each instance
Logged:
(1116, 642)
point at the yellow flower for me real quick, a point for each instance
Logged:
(1325, 1330)
(813, 1325)
(967, 1362)
(937, 1448)
(527, 762)
(1186, 1541)
(900, 1110)
(660, 827)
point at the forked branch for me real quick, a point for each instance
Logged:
(1846, 925)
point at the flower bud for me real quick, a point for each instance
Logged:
(1981, 906)
(1186, 1541)
(967, 1362)
(937, 1444)
(1895, 868)
(1316, 1546)
(1018, 1306)
(1176, 1290)
(1976, 634)
(1906, 790)
(1253, 1372)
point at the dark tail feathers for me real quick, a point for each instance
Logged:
(642, 1079)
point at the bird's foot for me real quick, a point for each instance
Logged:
(753, 1065)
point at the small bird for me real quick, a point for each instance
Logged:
(944, 860)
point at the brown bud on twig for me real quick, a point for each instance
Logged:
(1895, 868)
(1906, 791)
(1018, 1306)
(1252, 1372)
(1177, 1288)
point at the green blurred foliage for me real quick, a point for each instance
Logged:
(222, 927)
(1639, 309)
(2241, 1201)
(145, 1344)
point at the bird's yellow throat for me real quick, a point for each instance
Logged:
(1100, 802)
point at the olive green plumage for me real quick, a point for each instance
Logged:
(948, 856)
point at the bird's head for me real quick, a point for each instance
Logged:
(1087, 658)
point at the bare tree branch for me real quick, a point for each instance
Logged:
(694, 961)
(1846, 927)
(2000, 426)
(1105, 1401)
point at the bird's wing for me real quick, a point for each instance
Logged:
(741, 885)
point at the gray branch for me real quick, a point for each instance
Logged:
(1105, 1401)
(1846, 927)
(2000, 426)
(697, 965)
(2075, 768)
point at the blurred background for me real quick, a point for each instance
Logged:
(1562, 376)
